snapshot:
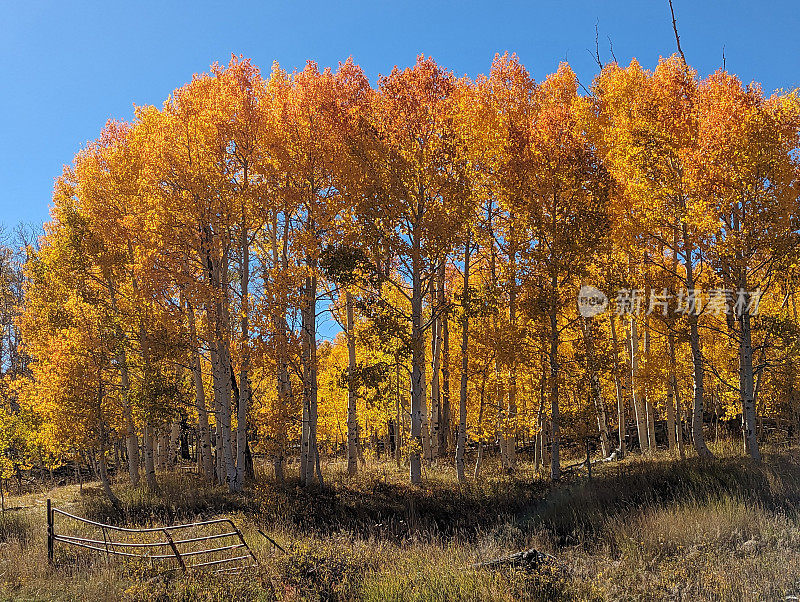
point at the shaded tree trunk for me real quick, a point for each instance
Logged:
(649, 410)
(594, 385)
(445, 433)
(418, 409)
(309, 448)
(131, 439)
(672, 386)
(101, 462)
(174, 443)
(461, 442)
(555, 459)
(697, 355)
(436, 359)
(352, 421)
(243, 404)
(618, 387)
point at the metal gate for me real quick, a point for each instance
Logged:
(187, 552)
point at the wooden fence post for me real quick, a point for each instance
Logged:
(49, 531)
(175, 550)
(588, 460)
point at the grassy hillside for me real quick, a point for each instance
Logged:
(641, 529)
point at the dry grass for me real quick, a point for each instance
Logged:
(642, 529)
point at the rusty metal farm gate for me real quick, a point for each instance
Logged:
(161, 544)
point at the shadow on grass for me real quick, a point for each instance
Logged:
(572, 511)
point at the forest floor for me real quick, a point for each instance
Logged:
(641, 529)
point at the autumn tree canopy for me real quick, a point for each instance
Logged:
(448, 225)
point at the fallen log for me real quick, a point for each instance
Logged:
(529, 560)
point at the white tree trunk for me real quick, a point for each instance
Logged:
(131, 439)
(283, 385)
(621, 430)
(149, 460)
(641, 424)
(203, 432)
(747, 388)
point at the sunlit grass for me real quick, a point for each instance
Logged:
(645, 528)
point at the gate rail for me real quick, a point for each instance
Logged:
(109, 547)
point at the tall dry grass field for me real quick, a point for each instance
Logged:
(641, 529)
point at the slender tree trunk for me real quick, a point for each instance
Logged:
(221, 376)
(174, 443)
(305, 440)
(417, 371)
(106, 484)
(244, 373)
(481, 405)
(284, 396)
(131, 440)
(510, 435)
(594, 384)
(101, 464)
(222, 392)
(228, 457)
(462, 400)
(445, 433)
(218, 322)
(352, 421)
(310, 377)
(398, 437)
(500, 421)
(674, 364)
(284, 385)
(671, 390)
(149, 460)
(641, 424)
(318, 465)
(204, 433)
(540, 418)
(649, 410)
(679, 422)
(747, 390)
(621, 431)
(436, 359)
(163, 447)
(697, 362)
(555, 460)
(148, 443)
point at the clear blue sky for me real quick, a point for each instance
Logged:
(68, 66)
